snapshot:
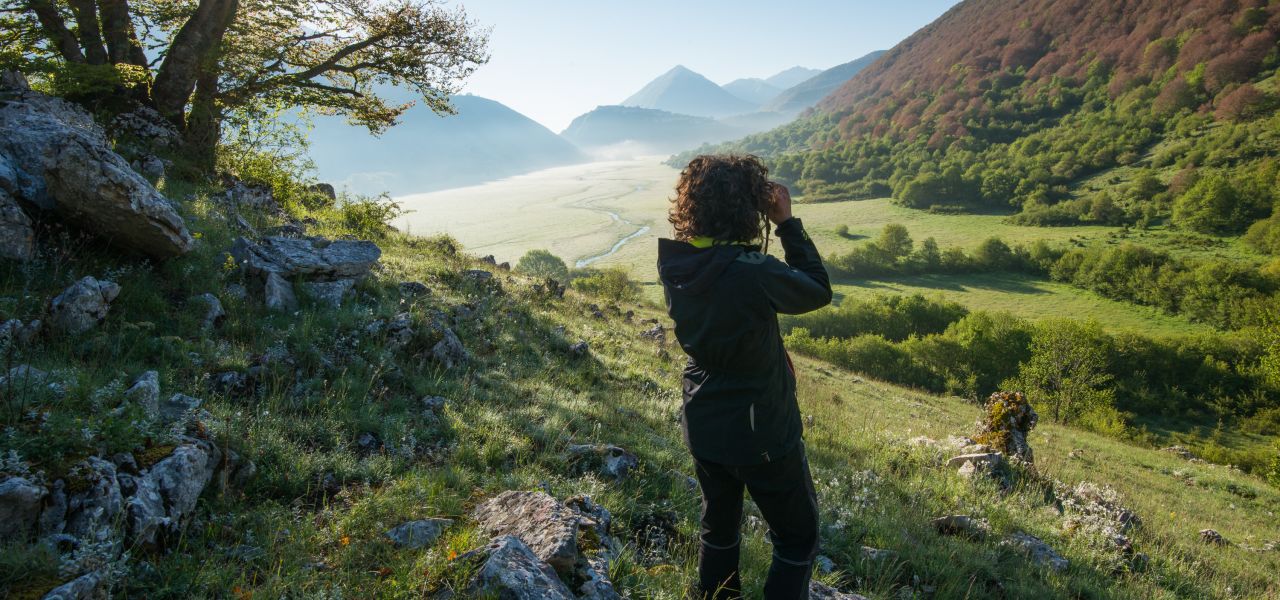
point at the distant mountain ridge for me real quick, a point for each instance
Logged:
(753, 89)
(485, 141)
(650, 130)
(808, 92)
(791, 77)
(683, 91)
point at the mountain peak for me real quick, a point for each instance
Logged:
(683, 91)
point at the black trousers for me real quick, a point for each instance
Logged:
(783, 490)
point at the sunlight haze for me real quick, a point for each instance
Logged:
(556, 60)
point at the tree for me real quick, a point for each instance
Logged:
(1067, 372)
(542, 263)
(212, 57)
(895, 241)
(1212, 205)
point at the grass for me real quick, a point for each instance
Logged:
(1028, 297)
(310, 523)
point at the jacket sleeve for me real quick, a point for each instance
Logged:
(801, 285)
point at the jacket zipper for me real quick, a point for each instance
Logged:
(752, 413)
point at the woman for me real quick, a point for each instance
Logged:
(740, 417)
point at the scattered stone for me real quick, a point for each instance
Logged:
(257, 197)
(505, 266)
(414, 289)
(17, 238)
(606, 460)
(84, 587)
(822, 591)
(399, 331)
(449, 351)
(145, 392)
(433, 405)
(550, 287)
(15, 330)
(232, 383)
(178, 408)
(512, 571)
(1180, 452)
(19, 508)
(214, 314)
(877, 554)
(82, 306)
(93, 508)
(315, 258)
(149, 166)
(548, 528)
(167, 492)
(962, 525)
(1039, 552)
(236, 291)
(278, 294)
(477, 275)
(824, 564)
(580, 349)
(418, 534)
(148, 127)
(329, 293)
(655, 333)
(368, 443)
(1210, 536)
(1006, 423)
(490, 260)
(595, 311)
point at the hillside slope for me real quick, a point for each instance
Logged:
(792, 77)
(753, 90)
(484, 141)
(808, 92)
(654, 131)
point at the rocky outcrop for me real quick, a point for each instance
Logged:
(605, 460)
(82, 306)
(1213, 538)
(94, 500)
(329, 293)
(512, 571)
(17, 239)
(20, 501)
(961, 525)
(313, 258)
(214, 314)
(278, 294)
(822, 591)
(1036, 550)
(61, 163)
(145, 392)
(164, 494)
(85, 587)
(1006, 423)
(17, 331)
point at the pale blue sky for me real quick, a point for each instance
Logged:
(556, 59)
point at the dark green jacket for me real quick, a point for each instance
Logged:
(739, 386)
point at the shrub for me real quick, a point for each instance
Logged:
(612, 283)
(368, 217)
(1067, 373)
(542, 264)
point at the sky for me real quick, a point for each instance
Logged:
(553, 60)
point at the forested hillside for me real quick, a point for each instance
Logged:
(1008, 104)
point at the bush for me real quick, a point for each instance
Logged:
(612, 284)
(542, 264)
(367, 217)
(1067, 373)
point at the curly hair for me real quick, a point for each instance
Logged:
(723, 197)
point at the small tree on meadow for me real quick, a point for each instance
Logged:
(895, 241)
(1067, 372)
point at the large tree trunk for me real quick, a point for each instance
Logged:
(204, 123)
(123, 47)
(86, 13)
(51, 21)
(200, 35)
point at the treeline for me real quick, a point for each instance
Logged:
(1226, 294)
(1074, 372)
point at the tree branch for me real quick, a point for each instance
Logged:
(56, 29)
(86, 13)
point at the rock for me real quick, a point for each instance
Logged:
(231, 383)
(418, 534)
(329, 293)
(962, 525)
(399, 331)
(1210, 536)
(433, 404)
(168, 491)
(991, 460)
(77, 176)
(477, 275)
(53, 519)
(92, 509)
(449, 351)
(256, 197)
(1006, 423)
(17, 238)
(145, 392)
(368, 443)
(15, 330)
(1179, 451)
(607, 460)
(278, 294)
(236, 291)
(877, 554)
(146, 126)
(82, 306)
(655, 333)
(822, 591)
(84, 587)
(512, 571)
(1039, 552)
(314, 258)
(579, 349)
(214, 314)
(19, 508)
(325, 189)
(824, 564)
(490, 260)
(14, 81)
(414, 289)
(548, 528)
(178, 408)
(150, 166)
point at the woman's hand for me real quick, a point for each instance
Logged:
(780, 205)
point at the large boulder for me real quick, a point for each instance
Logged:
(94, 500)
(63, 164)
(417, 534)
(1006, 423)
(547, 527)
(1035, 549)
(313, 258)
(82, 306)
(163, 495)
(19, 507)
(17, 239)
(85, 587)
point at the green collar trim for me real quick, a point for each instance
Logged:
(703, 241)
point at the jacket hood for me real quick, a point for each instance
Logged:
(686, 269)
